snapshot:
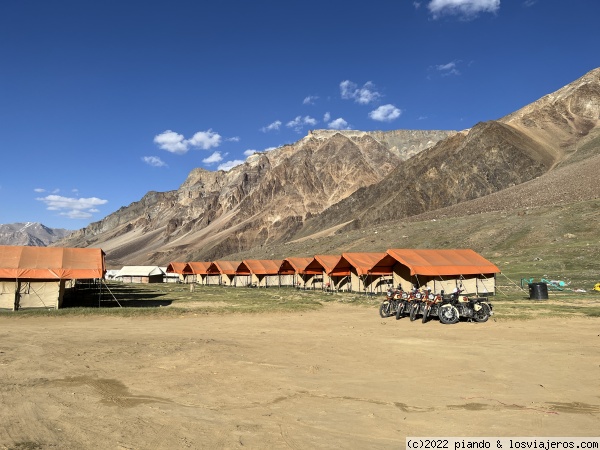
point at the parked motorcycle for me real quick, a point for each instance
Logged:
(451, 310)
(389, 306)
(409, 299)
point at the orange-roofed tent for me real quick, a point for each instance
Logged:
(36, 277)
(196, 272)
(263, 272)
(366, 274)
(292, 271)
(319, 268)
(223, 272)
(178, 268)
(443, 269)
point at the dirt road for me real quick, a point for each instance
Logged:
(340, 377)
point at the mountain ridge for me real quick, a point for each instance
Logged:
(30, 234)
(352, 180)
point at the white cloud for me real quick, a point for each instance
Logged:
(310, 100)
(385, 113)
(226, 166)
(299, 122)
(338, 124)
(364, 95)
(171, 142)
(233, 139)
(205, 140)
(39, 190)
(176, 143)
(448, 69)
(467, 9)
(74, 208)
(327, 117)
(250, 152)
(154, 161)
(213, 159)
(271, 127)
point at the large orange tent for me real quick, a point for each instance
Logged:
(36, 277)
(320, 268)
(223, 272)
(196, 272)
(366, 274)
(293, 271)
(263, 272)
(178, 268)
(444, 269)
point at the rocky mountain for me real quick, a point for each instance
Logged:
(559, 129)
(266, 199)
(330, 182)
(30, 233)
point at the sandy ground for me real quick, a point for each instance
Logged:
(341, 377)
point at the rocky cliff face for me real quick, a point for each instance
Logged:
(266, 199)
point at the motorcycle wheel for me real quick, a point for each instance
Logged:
(413, 312)
(426, 313)
(448, 314)
(384, 309)
(483, 314)
(400, 311)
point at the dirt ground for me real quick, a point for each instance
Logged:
(340, 377)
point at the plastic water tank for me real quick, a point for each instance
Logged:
(538, 291)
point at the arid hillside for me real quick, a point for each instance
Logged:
(304, 198)
(266, 199)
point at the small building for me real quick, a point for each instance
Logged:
(141, 274)
(37, 277)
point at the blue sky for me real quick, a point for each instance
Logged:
(103, 101)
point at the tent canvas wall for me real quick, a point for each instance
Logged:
(141, 274)
(444, 269)
(37, 277)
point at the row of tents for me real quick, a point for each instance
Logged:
(368, 272)
(38, 277)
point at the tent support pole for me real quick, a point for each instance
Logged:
(113, 295)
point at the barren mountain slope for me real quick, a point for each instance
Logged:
(488, 158)
(263, 200)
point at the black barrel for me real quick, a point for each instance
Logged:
(538, 291)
